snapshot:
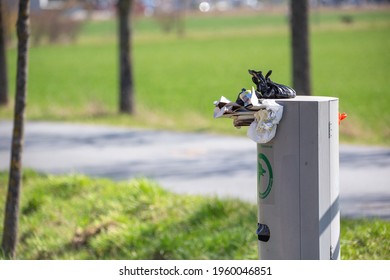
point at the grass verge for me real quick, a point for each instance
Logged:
(76, 217)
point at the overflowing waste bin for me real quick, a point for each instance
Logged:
(297, 168)
(298, 183)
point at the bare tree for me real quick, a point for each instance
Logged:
(3, 60)
(300, 46)
(11, 218)
(126, 102)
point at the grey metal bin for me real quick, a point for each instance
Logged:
(298, 183)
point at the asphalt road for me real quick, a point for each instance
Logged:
(188, 163)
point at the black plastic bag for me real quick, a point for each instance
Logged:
(265, 88)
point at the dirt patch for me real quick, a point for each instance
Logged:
(83, 236)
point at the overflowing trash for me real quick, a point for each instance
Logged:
(256, 108)
(268, 89)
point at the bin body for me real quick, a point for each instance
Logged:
(298, 182)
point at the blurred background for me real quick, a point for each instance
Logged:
(186, 54)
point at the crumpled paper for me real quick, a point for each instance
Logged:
(263, 128)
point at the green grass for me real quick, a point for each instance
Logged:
(177, 79)
(76, 217)
(365, 239)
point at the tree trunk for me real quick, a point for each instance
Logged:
(126, 102)
(300, 46)
(15, 176)
(3, 61)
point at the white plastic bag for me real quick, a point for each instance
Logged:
(263, 128)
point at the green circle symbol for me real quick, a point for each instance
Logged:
(261, 171)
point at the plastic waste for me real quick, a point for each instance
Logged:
(265, 88)
(263, 127)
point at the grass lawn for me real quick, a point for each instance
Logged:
(76, 217)
(177, 79)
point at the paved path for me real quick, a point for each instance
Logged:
(189, 163)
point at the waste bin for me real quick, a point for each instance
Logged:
(298, 183)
